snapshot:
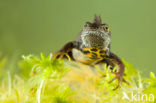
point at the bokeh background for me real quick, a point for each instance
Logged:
(35, 26)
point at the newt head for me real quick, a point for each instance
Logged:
(95, 34)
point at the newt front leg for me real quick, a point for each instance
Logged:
(120, 71)
(111, 60)
(65, 51)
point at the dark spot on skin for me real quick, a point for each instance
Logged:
(58, 56)
(94, 49)
(86, 52)
(102, 51)
(102, 56)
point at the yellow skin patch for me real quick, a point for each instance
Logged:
(87, 56)
(94, 53)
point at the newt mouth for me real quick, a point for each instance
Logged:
(95, 39)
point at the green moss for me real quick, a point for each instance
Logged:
(43, 80)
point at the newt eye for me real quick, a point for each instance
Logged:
(106, 28)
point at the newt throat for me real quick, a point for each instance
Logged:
(95, 39)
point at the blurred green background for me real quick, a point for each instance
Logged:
(34, 26)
